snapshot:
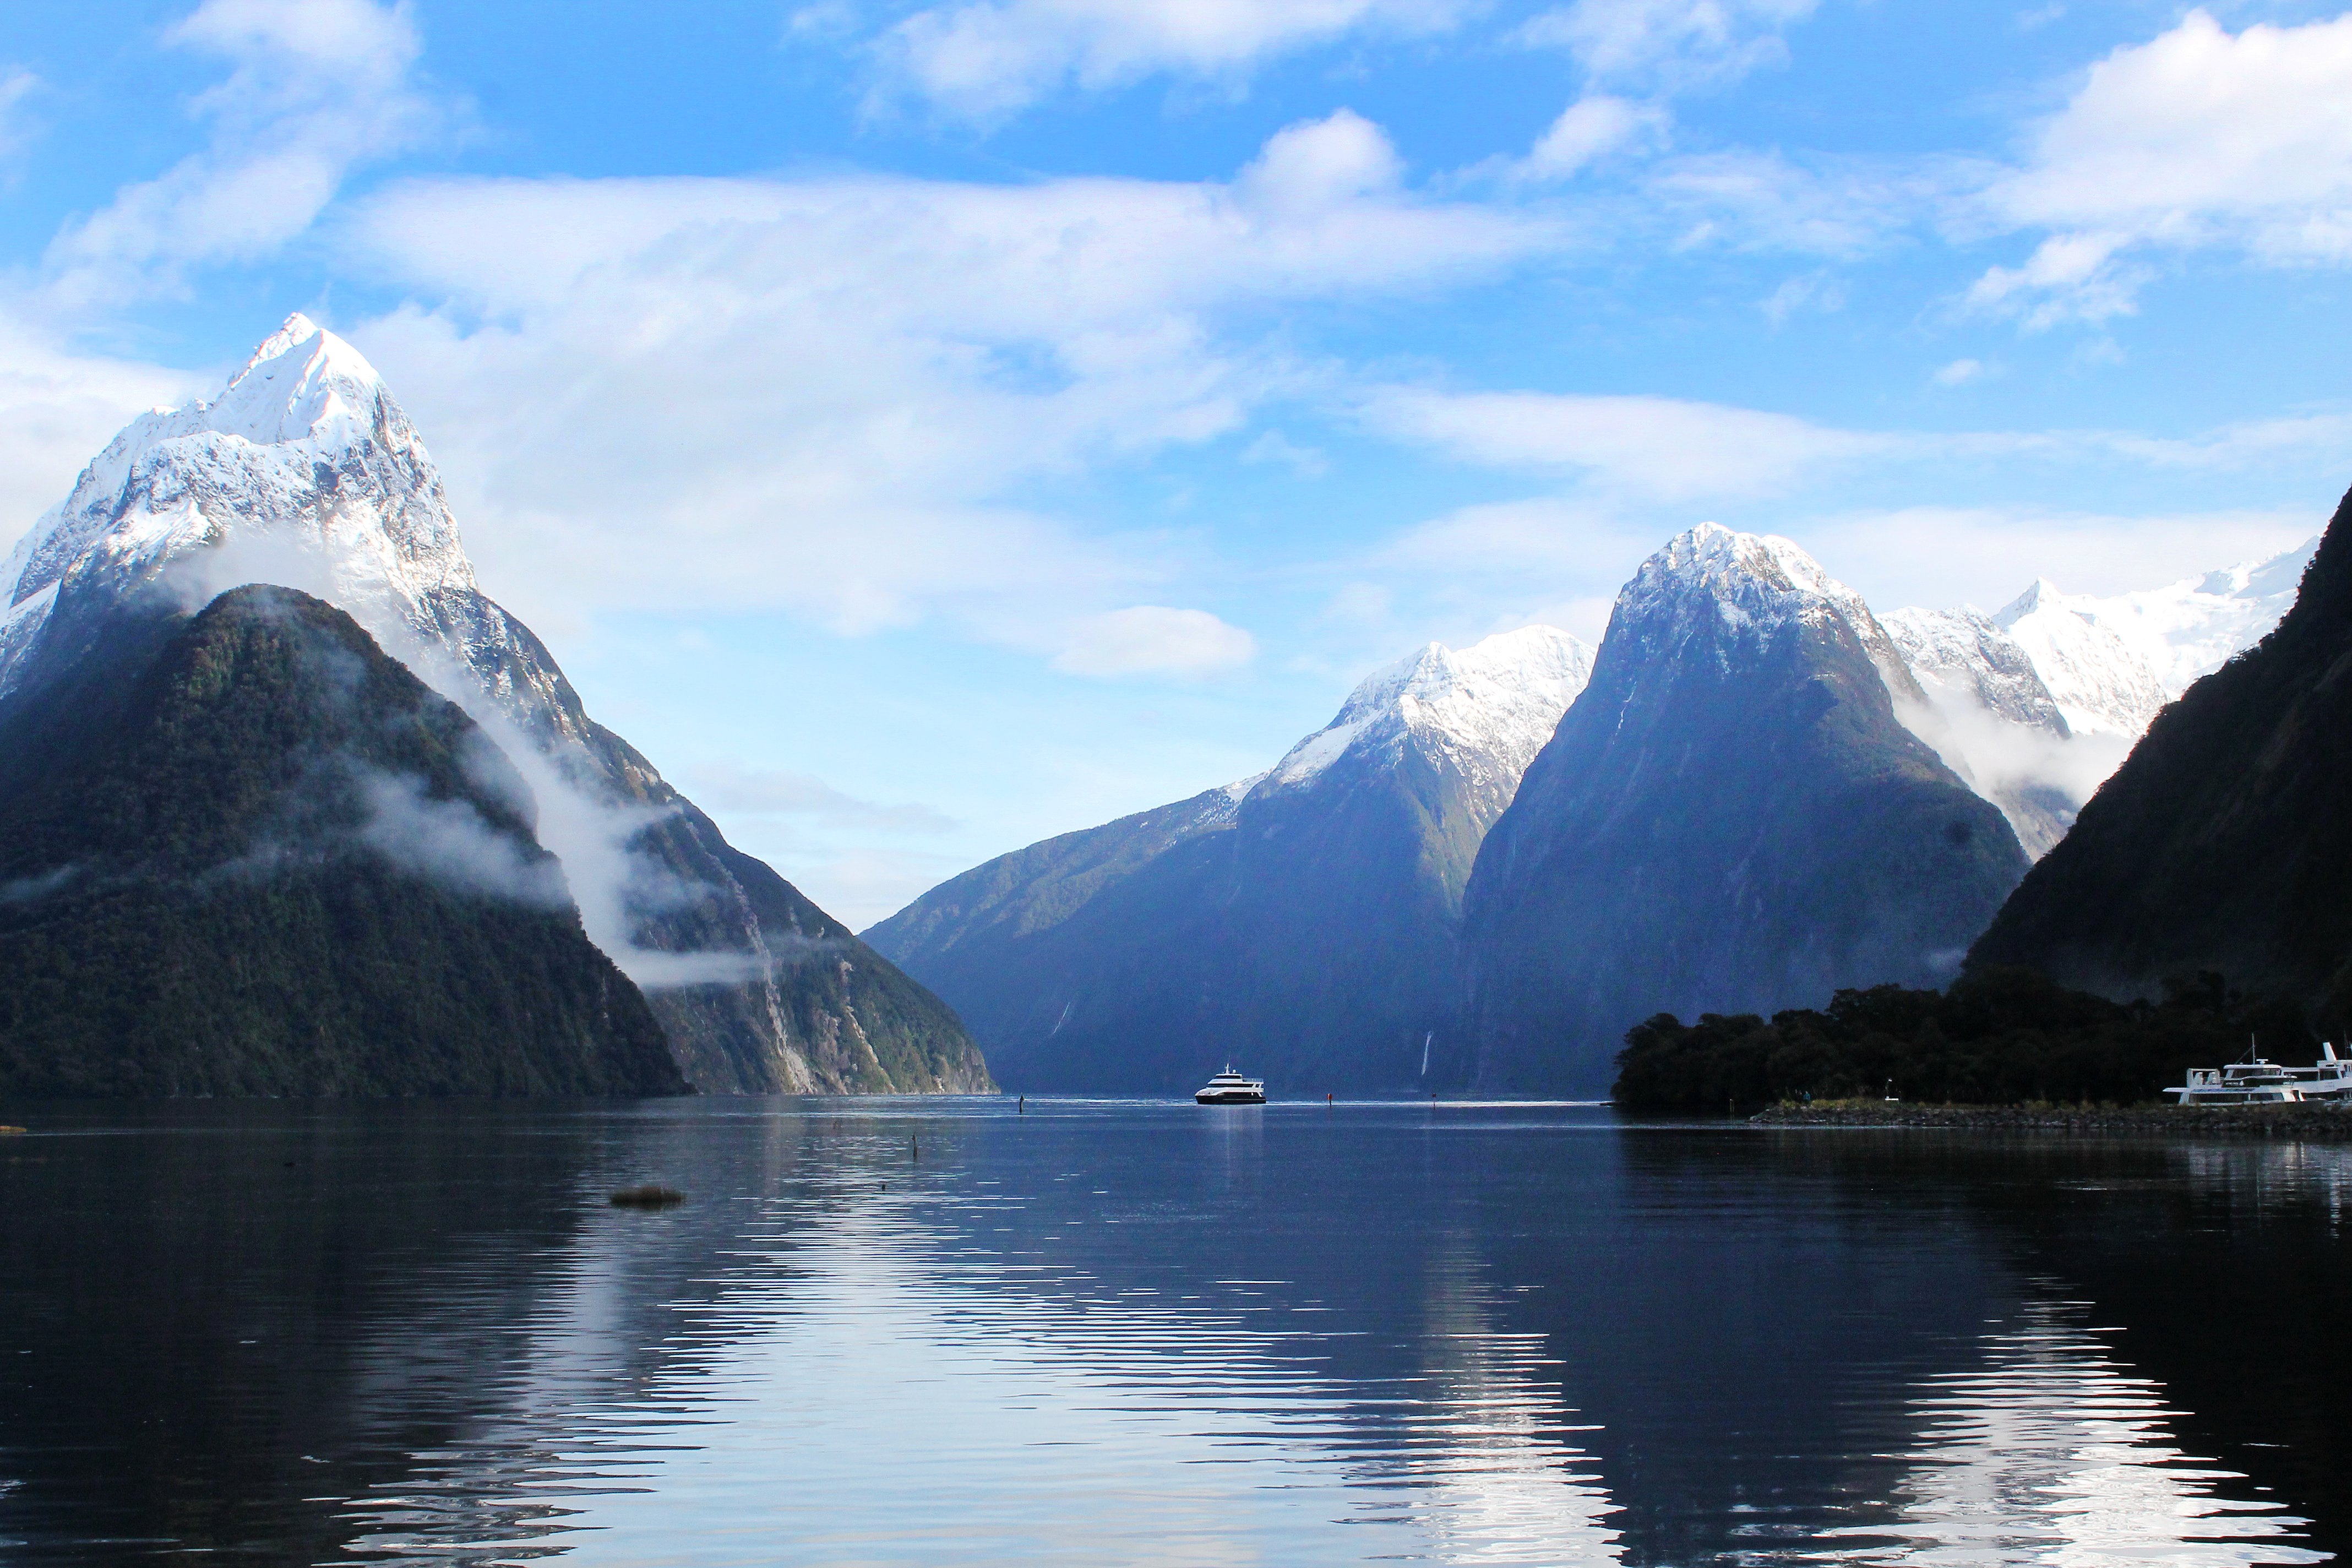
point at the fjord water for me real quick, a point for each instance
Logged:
(927, 1332)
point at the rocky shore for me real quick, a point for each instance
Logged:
(2309, 1121)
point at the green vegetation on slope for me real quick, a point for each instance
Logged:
(2006, 1036)
(268, 860)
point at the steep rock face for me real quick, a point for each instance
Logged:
(258, 856)
(2225, 839)
(305, 471)
(2098, 683)
(1729, 818)
(1967, 655)
(1303, 921)
(1991, 718)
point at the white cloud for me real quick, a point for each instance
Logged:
(824, 394)
(58, 408)
(1949, 556)
(1152, 639)
(1813, 291)
(2327, 437)
(987, 58)
(730, 787)
(1763, 201)
(2200, 137)
(1669, 43)
(1670, 450)
(1653, 49)
(1658, 447)
(1589, 129)
(316, 89)
(449, 842)
(1274, 447)
(1959, 373)
(1319, 163)
(16, 89)
(1543, 534)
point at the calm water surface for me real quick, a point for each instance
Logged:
(1111, 1332)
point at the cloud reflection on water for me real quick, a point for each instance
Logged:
(2050, 1451)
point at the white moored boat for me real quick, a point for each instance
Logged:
(2259, 1082)
(1230, 1088)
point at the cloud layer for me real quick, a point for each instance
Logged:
(2198, 138)
(988, 57)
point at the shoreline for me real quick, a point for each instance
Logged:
(2303, 1121)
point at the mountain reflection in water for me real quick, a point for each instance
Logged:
(1118, 1333)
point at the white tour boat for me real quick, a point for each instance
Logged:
(1230, 1088)
(2259, 1082)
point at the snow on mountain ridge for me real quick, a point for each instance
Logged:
(1490, 707)
(2185, 630)
(2098, 682)
(2038, 703)
(1965, 655)
(1758, 585)
(303, 452)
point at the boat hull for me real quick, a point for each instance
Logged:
(1229, 1097)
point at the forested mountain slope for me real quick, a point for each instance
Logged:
(258, 856)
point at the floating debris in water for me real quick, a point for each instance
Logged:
(649, 1196)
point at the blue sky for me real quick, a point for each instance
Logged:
(927, 428)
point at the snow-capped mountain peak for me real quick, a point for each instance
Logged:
(301, 380)
(2185, 629)
(1750, 574)
(2038, 702)
(1491, 706)
(1758, 586)
(302, 470)
(2097, 682)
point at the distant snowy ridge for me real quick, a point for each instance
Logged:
(1966, 656)
(1307, 917)
(1489, 706)
(2039, 703)
(2099, 683)
(2187, 629)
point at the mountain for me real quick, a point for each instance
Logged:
(1302, 921)
(306, 472)
(2099, 684)
(2224, 841)
(2185, 630)
(259, 858)
(1730, 818)
(1991, 716)
(2037, 704)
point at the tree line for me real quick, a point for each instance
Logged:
(2005, 1036)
